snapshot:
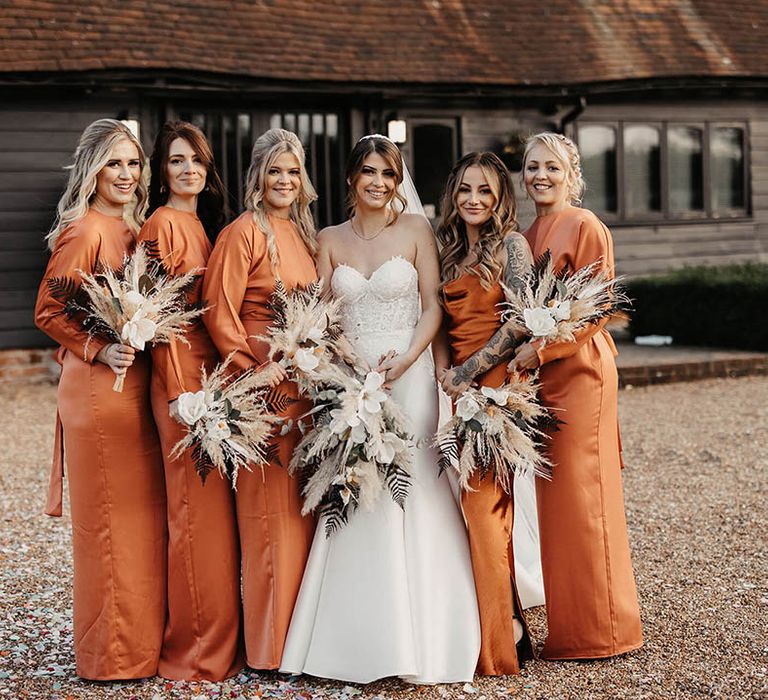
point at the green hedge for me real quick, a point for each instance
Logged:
(723, 307)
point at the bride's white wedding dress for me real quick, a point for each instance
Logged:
(392, 592)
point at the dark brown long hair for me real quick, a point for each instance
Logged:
(452, 231)
(390, 153)
(211, 206)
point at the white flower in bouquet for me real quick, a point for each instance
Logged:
(316, 334)
(192, 406)
(560, 310)
(138, 330)
(306, 359)
(539, 321)
(386, 448)
(499, 396)
(134, 301)
(218, 430)
(347, 418)
(466, 407)
(371, 397)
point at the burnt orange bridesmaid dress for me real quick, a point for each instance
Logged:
(592, 608)
(202, 639)
(274, 537)
(471, 320)
(115, 473)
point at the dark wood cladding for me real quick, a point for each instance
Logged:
(37, 139)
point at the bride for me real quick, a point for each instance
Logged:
(391, 593)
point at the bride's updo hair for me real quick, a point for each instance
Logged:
(266, 150)
(390, 153)
(452, 230)
(567, 154)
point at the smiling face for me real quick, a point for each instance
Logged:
(376, 184)
(282, 184)
(117, 180)
(475, 199)
(184, 171)
(546, 180)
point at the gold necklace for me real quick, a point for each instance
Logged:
(367, 238)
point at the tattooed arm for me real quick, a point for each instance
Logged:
(502, 345)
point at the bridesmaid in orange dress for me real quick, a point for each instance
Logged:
(480, 249)
(110, 444)
(202, 639)
(273, 239)
(592, 608)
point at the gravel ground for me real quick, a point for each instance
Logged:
(696, 504)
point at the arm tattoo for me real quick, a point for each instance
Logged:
(501, 346)
(467, 371)
(519, 261)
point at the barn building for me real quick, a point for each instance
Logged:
(667, 99)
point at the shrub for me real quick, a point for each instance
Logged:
(713, 306)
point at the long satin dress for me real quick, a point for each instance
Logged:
(471, 320)
(202, 639)
(274, 537)
(115, 473)
(592, 608)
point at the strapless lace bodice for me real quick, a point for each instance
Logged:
(378, 313)
(385, 302)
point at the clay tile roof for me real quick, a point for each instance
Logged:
(502, 42)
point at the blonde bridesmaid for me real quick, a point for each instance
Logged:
(274, 239)
(592, 608)
(202, 639)
(480, 249)
(110, 444)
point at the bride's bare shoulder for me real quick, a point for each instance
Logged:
(330, 235)
(415, 223)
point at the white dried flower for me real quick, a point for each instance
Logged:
(191, 407)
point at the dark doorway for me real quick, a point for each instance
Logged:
(434, 152)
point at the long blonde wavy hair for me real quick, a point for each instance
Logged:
(452, 231)
(91, 155)
(266, 150)
(567, 154)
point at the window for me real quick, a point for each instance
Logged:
(598, 164)
(642, 170)
(665, 170)
(686, 169)
(231, 134)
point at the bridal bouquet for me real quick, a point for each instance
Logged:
(227, 422)
(496, 430)
(134, 305)
(552, 306)
(358, 446)
(304, 333)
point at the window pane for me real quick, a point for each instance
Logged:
(727, 167)
(686, 178)
(642, 176)
(598, 163)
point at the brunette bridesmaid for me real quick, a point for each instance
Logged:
(592, 608)
(202, 639)
(110, 444)
(480, 249)
(274, 239)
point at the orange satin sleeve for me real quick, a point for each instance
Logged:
(165, 356)
(77, 249)
(236, 253)
(593, 246)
